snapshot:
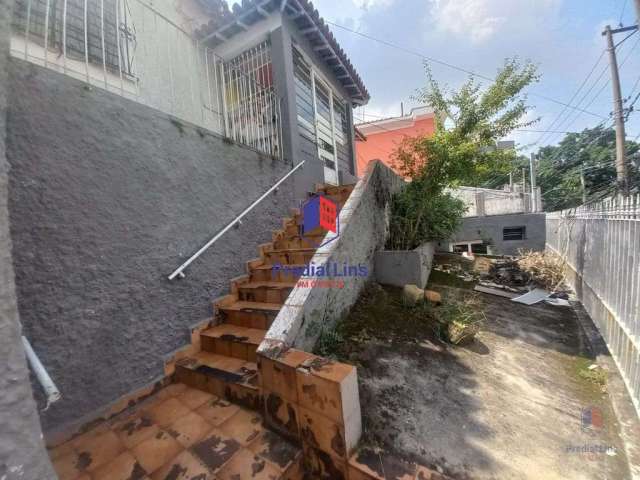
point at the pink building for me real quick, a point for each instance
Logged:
(382, 137)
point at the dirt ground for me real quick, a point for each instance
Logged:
(507, 406)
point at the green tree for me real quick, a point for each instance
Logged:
(463, 153)
(582, 168)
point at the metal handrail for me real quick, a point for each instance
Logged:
(179, 272)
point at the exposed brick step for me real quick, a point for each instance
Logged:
(290, 256)
(257, 315)
(232, 341)
(267, 291)
(335, 189)
(231, 378)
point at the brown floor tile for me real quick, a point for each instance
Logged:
(244, 426)
(69, 466)
(123, 467)
(189, 429)
(245, 465)
(215, 449)
(216, 411)
(99, 450)
(275, 449)
(167, 412)
(183, 467)
(154, 452)
(135, 429)
(193, 398)
(60, 451)
(172, 390)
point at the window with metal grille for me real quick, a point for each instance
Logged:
(304, 97)
(513, 233)
(65, 21)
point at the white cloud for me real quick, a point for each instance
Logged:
(482, 20)
(367, 4)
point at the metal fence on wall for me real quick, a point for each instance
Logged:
(130, 48)
(600, 243)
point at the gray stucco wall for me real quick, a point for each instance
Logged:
(108, 197)
(490, 227)
(22, 453)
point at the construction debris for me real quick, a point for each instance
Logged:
(545, 268)
(411, 295)
(534, 296)
(495, 291)
(433, 297)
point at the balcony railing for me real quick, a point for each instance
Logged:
(131, 48)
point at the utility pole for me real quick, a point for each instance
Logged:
(532, 172)
(618, 110)
(583, 184)
(524, 180)
(511, 181)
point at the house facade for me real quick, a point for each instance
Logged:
(382, 137)
(267, 74)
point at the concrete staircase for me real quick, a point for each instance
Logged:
(225, 360)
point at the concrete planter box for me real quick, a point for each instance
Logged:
(402, 267)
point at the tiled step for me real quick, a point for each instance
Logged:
(266, 273)
(231, 378)
(232, 341)
(268, 291)
(291, 256)
(250, 314)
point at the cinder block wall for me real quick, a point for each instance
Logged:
(107, 198)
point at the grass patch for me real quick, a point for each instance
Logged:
(596, 376)
(380, 315)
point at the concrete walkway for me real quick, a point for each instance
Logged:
(514, 404)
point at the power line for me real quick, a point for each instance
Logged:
(571, 120)
(452, 66)
(584, 82)
(624, 7)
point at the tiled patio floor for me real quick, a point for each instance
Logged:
(179, 434)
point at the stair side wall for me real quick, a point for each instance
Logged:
(363, 231)
(107, 198)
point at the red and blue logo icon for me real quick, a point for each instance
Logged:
(320, 220)
(591, 418)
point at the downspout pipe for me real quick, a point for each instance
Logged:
(50, 389)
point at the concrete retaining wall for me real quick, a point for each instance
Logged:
(404, 267)
(363, 231)
(107, 198)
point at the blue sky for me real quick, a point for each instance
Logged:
(562, 36)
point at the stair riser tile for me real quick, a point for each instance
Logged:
(265, 294)
(274, 276)
(289, 258)
(201, 381)
(261, 320)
